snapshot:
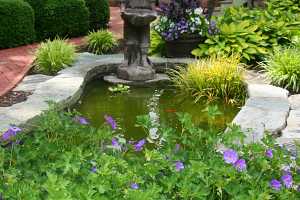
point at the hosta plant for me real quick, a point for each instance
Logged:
(52, 56)
(215, 78)
(283, 68)
(65, 158)
(101, 42)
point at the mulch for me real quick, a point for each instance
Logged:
(13, 97)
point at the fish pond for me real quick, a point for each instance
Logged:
(160, 102)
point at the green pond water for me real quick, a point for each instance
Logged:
(160, 101)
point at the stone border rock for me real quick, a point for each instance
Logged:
(66, 88)
(267, 108)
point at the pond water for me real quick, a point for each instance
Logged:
(161, 101)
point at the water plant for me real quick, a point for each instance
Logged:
(215, 78)
(64, 159)
(119, 88)
(54, 55)
(101, 41)
(283, 68)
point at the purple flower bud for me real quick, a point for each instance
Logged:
(269, 153)
(134, 186)
(115, 144)
(179, 166)
(109, 120)
(287, 180)
(275, 184)
(240, 165)
(81, 120)
(230, 156)
(94, 169)
(139, 145)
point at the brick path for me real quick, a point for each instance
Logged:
(15, 62)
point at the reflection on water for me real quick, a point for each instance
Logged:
(160, 102)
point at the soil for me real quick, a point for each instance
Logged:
(13, 97)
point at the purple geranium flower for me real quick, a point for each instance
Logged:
(139, 145)
(115, 144)
(11, 132)
(179, 166)
(287, 180)
(230, 156)
(109, 120)
(94, 169)
(275, 184)
(81, 120)
(134, 186)
(269, 153)
(240, 165)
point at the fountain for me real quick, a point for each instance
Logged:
(136, 67)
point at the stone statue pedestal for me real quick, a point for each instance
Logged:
(136, 65)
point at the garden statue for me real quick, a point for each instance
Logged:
(137, 16)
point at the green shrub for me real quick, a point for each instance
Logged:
(101, 42)
(63, 18)
(99, 13)
(283, 68)
(16, 23)
(63, 160)
(216, 78)
(53, 56)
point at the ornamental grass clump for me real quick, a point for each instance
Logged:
(215, 78)
(53, 56)
(101, 42)
(283, 68)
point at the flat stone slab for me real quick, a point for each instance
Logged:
(265, 90)
(159, 78)
(260, 115)
(254, 77)
(29, 83)
(295, 101)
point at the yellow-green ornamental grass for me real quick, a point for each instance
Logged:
(215, 78)
(101, 42)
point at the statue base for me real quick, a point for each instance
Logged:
(135, 73)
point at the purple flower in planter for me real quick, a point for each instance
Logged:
(134, 186)
(11, 132)
(287, 180)
(179, 166)
(275, 184)
(269, 153)
(230, 156)
(139, 145)
(109, 120)
(240, 165)
(81, 120)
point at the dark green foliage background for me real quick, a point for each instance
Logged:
(64, 18)
(16, 23)
(99, 13)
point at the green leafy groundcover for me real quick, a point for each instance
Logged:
(64, 158)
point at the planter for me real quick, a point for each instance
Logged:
(182, 47)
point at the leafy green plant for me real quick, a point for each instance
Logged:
(64, 159)
(101, 42)
(99, 13)
(157, 44)
(283, 68)
(16, 23)
(215, 78)
(119, 88)
(54, 55)
(240, 38)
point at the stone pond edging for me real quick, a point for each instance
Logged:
(268, 108)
